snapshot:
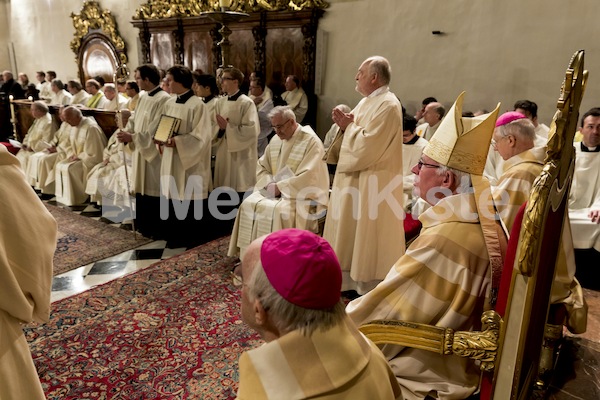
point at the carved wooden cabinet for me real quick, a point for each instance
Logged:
(275, 43)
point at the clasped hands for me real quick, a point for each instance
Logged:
(341, 118)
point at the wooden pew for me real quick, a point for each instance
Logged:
(106, 119)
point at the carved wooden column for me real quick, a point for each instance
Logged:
(178, 42)
(260, 45)
(216, 50)
(145, 41)
(309, 31)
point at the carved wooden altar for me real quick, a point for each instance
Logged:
(278, 38)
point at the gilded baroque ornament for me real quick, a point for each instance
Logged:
(159, 9)
(93, 18)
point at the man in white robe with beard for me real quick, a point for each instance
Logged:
(365, 217)
(39, 135)
(138, 134)
(86, 144)
(292, 184)
(185, 171)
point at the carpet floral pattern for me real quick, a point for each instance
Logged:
(170, 331)
(83, 240)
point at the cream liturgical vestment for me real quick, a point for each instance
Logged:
(365, 217)
(513, 189)
(27, 247)
(146, 159)
(80, 97)
(444, 280)
(185, 169)
(40, 170)
(86, 142)
(101, 185)
(236, 152)
(585, 196)
(297, 101)
(62, 97)
(297, 166)
(336, 364)
(111, 105)
(38, 138)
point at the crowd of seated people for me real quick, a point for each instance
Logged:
(240, 164)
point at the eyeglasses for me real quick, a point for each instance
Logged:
(494, 142)
(422, 164)
(278, 127)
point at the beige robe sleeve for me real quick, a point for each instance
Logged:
(364, 146)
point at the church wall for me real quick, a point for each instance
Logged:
(42, 30)
(498, 51)
(4, 35)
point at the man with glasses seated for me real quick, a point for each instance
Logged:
(292, 184)
(444, 278)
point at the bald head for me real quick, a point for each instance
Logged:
(434, 112)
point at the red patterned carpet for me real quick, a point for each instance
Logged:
(83, 240)
(171, 331)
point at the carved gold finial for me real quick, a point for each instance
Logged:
(159, 9)
(92, 17)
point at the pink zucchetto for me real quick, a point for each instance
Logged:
(509, 117)
(302, 267)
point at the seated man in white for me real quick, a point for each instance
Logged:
(59, 95)
(584, 198)
(412, 149)
(295, 97)
(432, 115)
(292, 184)
(86, 143)
(513, 139)
(39, 135)
(116, 101)
(96, 99)
(40, 170)
(79, 96)
(101, 183)
(494, 165)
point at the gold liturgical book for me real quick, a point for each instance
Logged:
(167, 128)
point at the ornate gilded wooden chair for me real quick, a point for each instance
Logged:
(514, 348)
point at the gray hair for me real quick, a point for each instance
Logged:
(463, 178)
(284, 111)
(289, 317)
(110, 87)
(522, 128)
(40, 106)
(380, 66)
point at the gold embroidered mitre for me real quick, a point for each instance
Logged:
(462, 143)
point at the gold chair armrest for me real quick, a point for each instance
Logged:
(481, 346)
